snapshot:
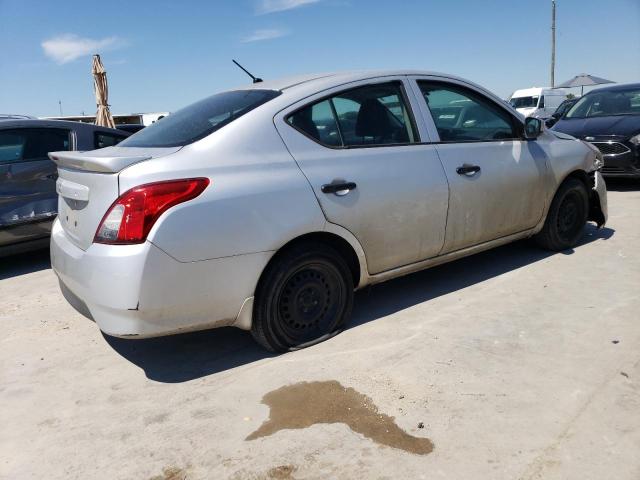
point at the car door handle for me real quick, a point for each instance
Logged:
(468, 170)
(340, 188)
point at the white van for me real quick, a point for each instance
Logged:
(538, 101)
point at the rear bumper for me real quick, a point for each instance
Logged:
(138, 290)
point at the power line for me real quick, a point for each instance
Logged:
(553, 43)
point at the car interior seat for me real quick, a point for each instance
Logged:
(374, 120)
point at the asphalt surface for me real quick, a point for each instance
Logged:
(512, 364)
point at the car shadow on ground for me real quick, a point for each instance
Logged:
(387, 298)
(22, 263)
(180, 358)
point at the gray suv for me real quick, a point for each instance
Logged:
(28, 199)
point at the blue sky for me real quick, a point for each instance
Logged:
(161, 55)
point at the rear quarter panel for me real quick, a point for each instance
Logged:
(258, 198)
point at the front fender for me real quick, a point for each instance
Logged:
(598, 207)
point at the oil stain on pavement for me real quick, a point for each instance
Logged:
(304, 404)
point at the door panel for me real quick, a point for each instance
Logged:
(506, 196)
(33, 185)
(398, 207)
(495, 178)
(28, 177)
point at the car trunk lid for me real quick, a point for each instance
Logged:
(87, 185)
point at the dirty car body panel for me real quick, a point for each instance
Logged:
(389, 209)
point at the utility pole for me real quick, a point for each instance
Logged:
(60, 105)
(553, 43)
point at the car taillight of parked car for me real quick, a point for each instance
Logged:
(130, 218)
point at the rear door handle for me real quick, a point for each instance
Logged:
(340, 189)
(468, 170)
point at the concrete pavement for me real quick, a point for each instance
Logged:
(514, 364)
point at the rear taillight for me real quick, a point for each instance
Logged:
(132, 215)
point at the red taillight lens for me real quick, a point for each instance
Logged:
(132, 215)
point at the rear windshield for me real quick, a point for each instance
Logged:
(199, 119)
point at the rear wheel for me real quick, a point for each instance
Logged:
(304, 297)
(566, 218)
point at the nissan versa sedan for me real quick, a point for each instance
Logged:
(266, 206)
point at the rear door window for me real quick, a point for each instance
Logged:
(32, 143)
(318, 122)
(373, 115)
(102, 140)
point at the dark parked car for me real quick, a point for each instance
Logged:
(563, 108)
(28, 198)
(609, 118)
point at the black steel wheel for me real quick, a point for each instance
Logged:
(566, 218)
(305, 296)
(571, 216)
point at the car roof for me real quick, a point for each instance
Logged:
(42, 123)
(302, 86)
(314, 79)
(614, 88)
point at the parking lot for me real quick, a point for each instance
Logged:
(512, 364)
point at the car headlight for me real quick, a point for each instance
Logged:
(635, 140)
(598, 163)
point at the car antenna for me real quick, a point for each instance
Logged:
(255, 79)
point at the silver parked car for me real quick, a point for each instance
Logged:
(265, 207)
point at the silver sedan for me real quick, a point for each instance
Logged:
(266, 206)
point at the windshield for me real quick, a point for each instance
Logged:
(199, 119)
(524, 102)
(564, 107)
(606, 103)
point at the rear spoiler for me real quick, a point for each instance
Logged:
(92, 163)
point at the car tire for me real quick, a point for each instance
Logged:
(304, 297)
(567, 217)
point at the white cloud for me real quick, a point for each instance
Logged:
(270, 6)
(265, 34)
(68, 47)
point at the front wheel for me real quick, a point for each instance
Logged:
(566, 218)
(304, 297)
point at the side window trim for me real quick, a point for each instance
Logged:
(73, 140)
(334, 93)
(335, 117)
(516, 124)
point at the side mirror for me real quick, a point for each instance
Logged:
(532, 128)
